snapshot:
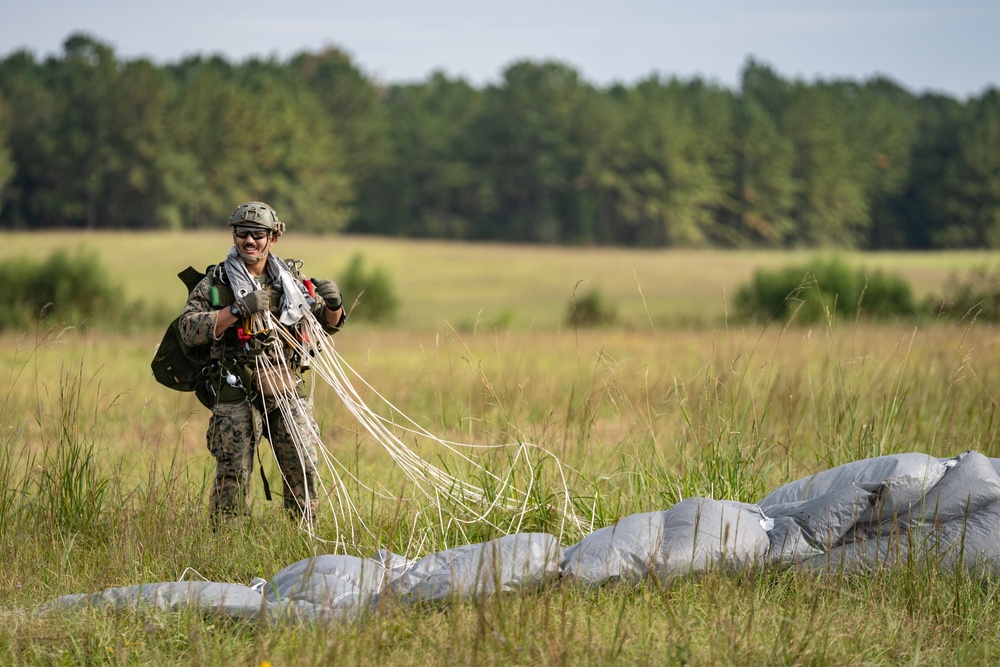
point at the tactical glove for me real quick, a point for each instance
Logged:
(254, 302)
(330, 293)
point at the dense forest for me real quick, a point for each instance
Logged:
(88, 140)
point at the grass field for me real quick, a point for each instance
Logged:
(525, 287)
(103, 472)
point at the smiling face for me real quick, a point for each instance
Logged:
(253, 243)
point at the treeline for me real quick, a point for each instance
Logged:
(91, 141)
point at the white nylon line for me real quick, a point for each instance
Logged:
(423, 432)
(567, 507)
(284, 403)
(431, 481)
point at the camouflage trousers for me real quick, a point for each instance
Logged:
(234, 433)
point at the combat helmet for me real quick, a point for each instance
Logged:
(257, 214)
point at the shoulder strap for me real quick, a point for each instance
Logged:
(191, 277)
(222, 292)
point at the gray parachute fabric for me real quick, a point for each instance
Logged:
(227, 599)
(518, 562)
(694, 535)
(328, 587)
(811, 527)
(701, 533)
(955, 521)
(623, 551)
(960, 515)
(907, 477)
(876, 513)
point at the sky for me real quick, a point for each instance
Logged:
(950, 47)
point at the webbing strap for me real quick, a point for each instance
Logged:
(263, 477)
(260, 463)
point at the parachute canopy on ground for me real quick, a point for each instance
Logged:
(873, 513)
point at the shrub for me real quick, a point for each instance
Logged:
(73, 289)
(977, 294)
(821, 289)
(590, 310)
(369, 296)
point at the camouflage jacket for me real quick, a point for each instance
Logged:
(197, 322)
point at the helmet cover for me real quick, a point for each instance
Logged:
(257, 214)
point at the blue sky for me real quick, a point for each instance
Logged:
(949, 47)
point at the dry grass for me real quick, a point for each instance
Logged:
(444, 283)
(645, 413)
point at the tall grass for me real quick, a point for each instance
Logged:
(103, 479)
(103, 474)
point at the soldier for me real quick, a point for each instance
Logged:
(218, 313)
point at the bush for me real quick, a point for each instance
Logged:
(976, 295)
(590, 310)
(824, 288)
(372, 292)
(74, 290)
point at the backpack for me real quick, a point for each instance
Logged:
(176, 364)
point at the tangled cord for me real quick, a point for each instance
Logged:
(467, 503)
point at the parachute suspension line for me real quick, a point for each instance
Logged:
(303, 432)
(332, 367)
(334, 370)
(476, 503)
(420, 471)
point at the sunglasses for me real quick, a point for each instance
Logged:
(255, 234)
